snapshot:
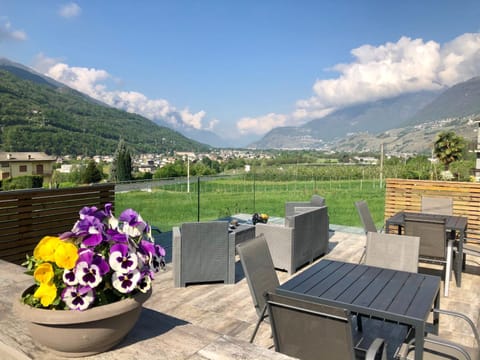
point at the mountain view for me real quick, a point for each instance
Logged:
(39, 113)
(419, 116)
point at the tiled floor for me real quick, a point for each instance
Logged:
(213, 321)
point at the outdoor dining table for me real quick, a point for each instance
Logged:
(458, 224)
(392, 295)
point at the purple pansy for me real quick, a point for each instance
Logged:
(145, 283)
(69, 277)
(91, 257)
(116, 236)
(126, 282)
(121, 259)
(127, 242)
(158, 258)
(78, 297)
(88, 274)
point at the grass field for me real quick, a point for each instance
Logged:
(172, 205)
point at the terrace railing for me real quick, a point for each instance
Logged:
(406, 195)
(28, 215)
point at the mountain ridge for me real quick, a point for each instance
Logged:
(36, 114)
(367, 121)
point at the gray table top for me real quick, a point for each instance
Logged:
(388, 294)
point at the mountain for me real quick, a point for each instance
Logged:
(371, 117)
(38, 113)
(202, 136)
(406, 122)
(462, 99)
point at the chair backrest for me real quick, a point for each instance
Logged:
(391, 251)
(204, 250)
(432, 233)
(437, 205)
(306, 330)
(259, 271)
(365, 216)
(315, 201)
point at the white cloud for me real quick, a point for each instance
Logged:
(9, 33)
(383, 71)
(261, 124)
(69, 10)
(94, 82)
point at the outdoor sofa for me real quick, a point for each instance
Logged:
(300, 240)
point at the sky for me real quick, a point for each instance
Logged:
(241, 68)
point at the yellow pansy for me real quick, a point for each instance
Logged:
(45, 249)
(44, 273)
(46, 292)
(66, 255)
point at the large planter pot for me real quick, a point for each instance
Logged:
(82, 333)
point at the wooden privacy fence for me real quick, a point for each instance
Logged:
(28, 215)
(406, 195)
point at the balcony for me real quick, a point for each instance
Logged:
(214, 321)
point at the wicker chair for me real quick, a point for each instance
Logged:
(203, 252)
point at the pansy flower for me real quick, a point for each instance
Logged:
(46, 292)
(44, 273)
(126, 282)
(98, 255)
(69, 277)
(145, 283)
(133, 224)
(78, 297)
(121, 259)
(88, 274)
(66, 255)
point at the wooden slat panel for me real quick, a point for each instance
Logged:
(406, 195)
(28, 215)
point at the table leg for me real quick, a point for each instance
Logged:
(419, 340)
(459, 259)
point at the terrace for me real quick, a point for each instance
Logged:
(213, 321)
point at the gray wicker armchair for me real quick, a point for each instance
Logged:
(203, 252)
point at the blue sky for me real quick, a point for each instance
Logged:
(241, 68)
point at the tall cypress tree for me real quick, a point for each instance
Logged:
(121, 169)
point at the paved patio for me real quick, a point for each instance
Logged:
(212, 321)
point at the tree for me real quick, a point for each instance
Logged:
(121, 169)
(448, 147)
(91, 174)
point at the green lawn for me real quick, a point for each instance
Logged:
(173, 205)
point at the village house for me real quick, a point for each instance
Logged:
(14, 164)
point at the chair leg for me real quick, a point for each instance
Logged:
(260, 319)
(448, 267)
(364, 251)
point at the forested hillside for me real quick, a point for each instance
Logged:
(61, 121)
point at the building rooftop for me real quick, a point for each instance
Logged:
(26, 156)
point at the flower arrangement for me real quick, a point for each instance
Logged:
(101, 260)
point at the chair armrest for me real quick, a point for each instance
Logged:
(407, 349)
(464, 317)
(376, 346)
